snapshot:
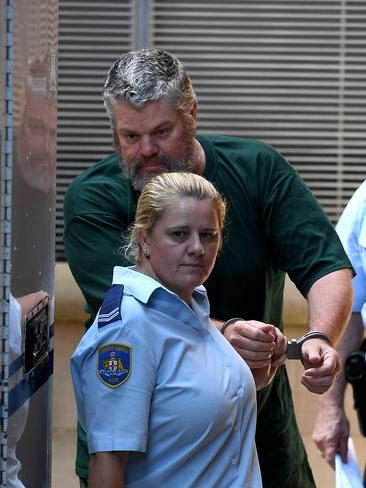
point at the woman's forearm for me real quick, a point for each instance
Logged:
(107, 469)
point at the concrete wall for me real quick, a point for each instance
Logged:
(70, 302)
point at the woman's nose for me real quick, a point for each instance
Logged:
(196, 246)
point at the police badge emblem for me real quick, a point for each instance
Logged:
(114, 364)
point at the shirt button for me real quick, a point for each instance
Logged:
(226, 362)
(235, 460)
(240, 393)
(236, 427)
(206, 337)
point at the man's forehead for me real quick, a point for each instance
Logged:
(153, 114)
(161, 106)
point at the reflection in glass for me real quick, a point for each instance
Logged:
(33, 183)
(33, 119)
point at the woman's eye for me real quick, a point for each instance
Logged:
(178, 234)
(208, 236)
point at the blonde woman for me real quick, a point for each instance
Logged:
(163, 397)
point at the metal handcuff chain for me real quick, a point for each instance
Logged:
(293, 345)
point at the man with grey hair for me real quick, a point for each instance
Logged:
(128, 82)
(274, 226)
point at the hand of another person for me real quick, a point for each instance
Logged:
(322, 365)
(331, 432)
(27, 302)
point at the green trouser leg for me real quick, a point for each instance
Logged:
(83, 483)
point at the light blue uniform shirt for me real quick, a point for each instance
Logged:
(351, 229)
(186, 405)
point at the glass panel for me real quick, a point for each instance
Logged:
(34, 116)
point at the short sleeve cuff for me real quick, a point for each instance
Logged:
(363, 315)
(122, 443)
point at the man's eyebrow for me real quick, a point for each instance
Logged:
(157, 127)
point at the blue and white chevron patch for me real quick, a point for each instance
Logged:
(110, 310)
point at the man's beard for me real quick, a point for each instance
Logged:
(186, 163)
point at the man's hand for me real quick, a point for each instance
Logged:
(279, 353)
(331, 433)
(254, 341)
(322, 365)
(262, 346)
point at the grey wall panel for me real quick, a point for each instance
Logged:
(291, 73)
(91, 35)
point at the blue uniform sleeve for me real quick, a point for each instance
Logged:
(351, 229)
(114, 376)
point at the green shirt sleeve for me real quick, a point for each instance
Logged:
(92, 254)
(302, 239)
(98, 210)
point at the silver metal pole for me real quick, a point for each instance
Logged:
(6, 143)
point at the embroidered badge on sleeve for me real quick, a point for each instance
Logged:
(114, 363)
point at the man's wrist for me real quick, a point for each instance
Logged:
(317, 334)
(226, 324)
(332, 399)
(294, 345)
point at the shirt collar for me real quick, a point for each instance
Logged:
(142, 286)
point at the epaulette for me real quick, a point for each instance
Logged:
(110, 311)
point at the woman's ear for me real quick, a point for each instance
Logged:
(143, 239)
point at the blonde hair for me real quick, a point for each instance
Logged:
(163, 190)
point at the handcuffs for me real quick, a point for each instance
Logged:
(293, 345)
